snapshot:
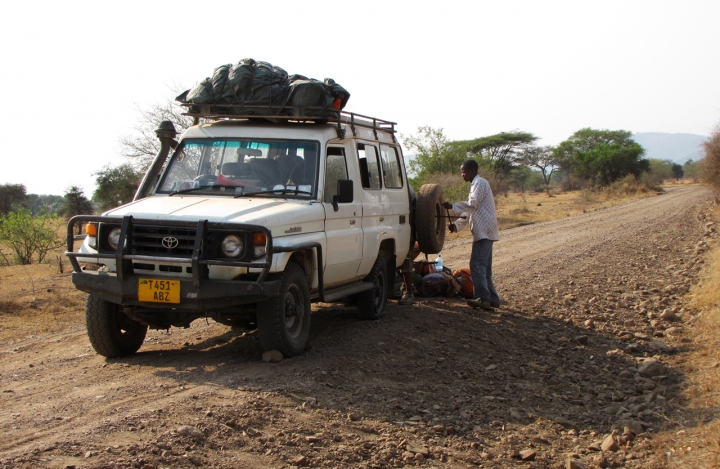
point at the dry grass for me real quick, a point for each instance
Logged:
(37, 298)
(697, 444)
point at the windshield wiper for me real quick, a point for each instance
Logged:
(193, 189)
(284, 190)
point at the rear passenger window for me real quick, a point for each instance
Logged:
(335, 169)
(369, 166)
(391, 167)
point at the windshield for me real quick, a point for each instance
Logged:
(235, 167)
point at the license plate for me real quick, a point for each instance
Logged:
(158, 291)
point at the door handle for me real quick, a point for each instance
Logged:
(352, 221)
(382, 218)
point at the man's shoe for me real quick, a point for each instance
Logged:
(495, 304)
(407, 299)
(480, 303)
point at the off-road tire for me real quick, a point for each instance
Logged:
(111, 332)
(371, 303)
(284, 321)
(430, 219)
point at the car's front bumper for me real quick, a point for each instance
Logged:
(213, 293)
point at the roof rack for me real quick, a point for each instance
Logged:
(314, 114)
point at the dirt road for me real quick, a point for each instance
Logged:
(592, 302)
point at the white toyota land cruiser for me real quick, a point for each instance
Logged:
(248, 222)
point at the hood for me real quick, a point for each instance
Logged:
(282, 217)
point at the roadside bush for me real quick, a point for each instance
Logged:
(30, 237)
(660, 171)
(586, 196)
(625, 186)
(498, 184)
(454, 188)
(710, 165)
(691, 170)
(629, 185)
(536, 182)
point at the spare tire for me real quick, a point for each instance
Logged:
(430, 219)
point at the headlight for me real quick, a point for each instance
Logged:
(232, 246)
(114, 237)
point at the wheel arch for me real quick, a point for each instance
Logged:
(308, 263)
(387, 249)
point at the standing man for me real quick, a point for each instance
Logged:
(480, 208)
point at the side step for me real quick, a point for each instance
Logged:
(341, 292)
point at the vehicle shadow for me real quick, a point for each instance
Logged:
(444, 365)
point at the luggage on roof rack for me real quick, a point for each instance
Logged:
(261, 89)
(299, 114)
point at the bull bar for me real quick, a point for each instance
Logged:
(120, 287)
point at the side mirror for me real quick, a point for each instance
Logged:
(344, 193)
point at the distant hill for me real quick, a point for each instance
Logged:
(675, 147)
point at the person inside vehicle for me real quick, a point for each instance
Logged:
(292, 166)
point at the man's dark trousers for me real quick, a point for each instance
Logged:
(481, 271)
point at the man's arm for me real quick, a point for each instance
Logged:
(476, 196)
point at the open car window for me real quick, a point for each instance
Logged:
(235, 166)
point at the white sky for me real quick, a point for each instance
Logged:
(72, 73)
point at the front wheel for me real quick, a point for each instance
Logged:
(112, 333)
(284, 322)
(371, 303)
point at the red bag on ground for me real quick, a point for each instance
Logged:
(464, 278)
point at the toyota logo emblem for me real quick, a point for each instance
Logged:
(170, 242)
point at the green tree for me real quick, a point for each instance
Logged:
(504, 150)
(497, 155)
(677, 171)
(116, 186)
(544, 159)
(12, 197)
(30, 237)
(602, 156)
(690, 169)
(519, 178)
(39, 204)
(75, 203)
(433, 153)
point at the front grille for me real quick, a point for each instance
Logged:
(148, 241)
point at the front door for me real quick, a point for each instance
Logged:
(343, 228)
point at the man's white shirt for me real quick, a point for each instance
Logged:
(480, 210)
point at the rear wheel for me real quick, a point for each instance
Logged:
(284, 322)
(112, 333)
(430, 219)
(371, 303)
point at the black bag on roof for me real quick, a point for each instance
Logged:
(308, 92)
(248, 84)
(251, 86)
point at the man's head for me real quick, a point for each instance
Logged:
(469, 170)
